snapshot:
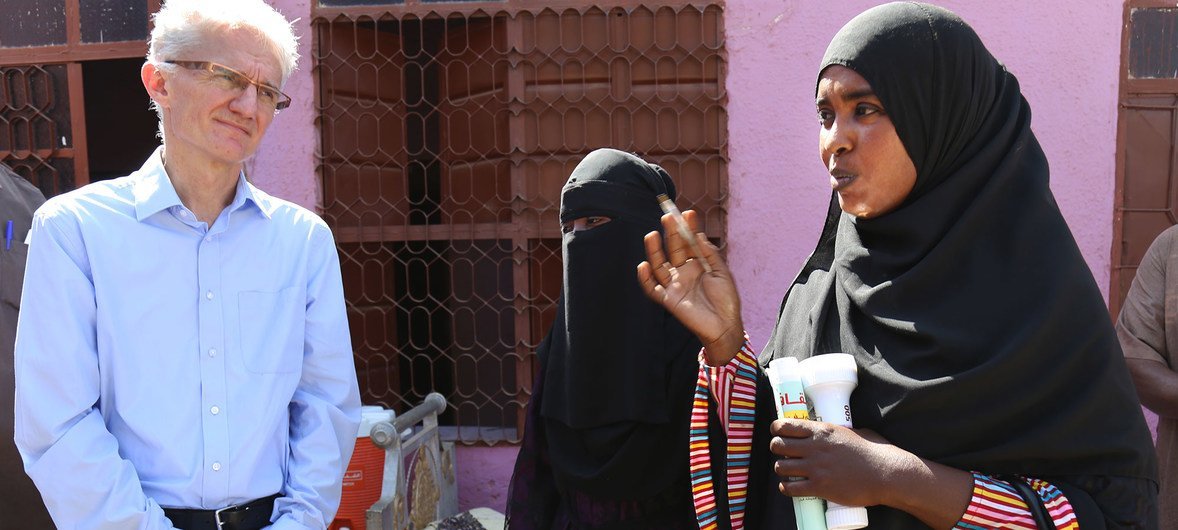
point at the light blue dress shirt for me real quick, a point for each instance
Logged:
(164, 363)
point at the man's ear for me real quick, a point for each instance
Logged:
(155, 83)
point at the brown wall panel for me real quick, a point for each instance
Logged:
(1146, 180)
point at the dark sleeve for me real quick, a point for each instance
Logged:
(532, 498)
(1111, 502)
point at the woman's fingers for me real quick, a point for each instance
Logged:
(657, 261)
(655, 274)
(702, 247)
(692, 219)
(789, 428)
(785, 447)
(792, 468)
(650, 286)
(790, 437)
(678, 250)
(654, 250)
(791, 487)
(711, 254)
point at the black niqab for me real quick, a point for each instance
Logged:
(619, 371)
(982, 340)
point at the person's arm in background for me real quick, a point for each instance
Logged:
(67, 450)
(1141, 328)
(1157, 385)
(325, 409)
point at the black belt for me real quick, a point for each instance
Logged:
(252, 515)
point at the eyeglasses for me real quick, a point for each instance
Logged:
(231, 80)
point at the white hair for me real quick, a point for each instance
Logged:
(185, 25)
(182, 25)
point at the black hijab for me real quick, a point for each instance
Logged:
(619, 371)
(982, 340)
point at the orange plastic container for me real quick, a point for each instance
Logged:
(365, 473)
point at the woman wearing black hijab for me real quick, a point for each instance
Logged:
(983, 345)
(603, 442)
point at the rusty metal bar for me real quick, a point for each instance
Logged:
(65, 54)
(414, 8)
(77, 102)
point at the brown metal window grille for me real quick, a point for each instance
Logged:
(46, 48)
(446, 138)
(35, 126)
(1146, 200)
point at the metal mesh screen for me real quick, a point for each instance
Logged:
(446, 138)
(1148, 203)
(35, 134)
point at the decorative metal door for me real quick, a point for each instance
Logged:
(448, 129)
(36, 131)
(1147, 158)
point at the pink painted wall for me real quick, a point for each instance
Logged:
(285, 163)
(778, 186)
(483, 475)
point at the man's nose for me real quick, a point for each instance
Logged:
(246, 102)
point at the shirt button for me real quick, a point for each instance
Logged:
(209, 238)
(216, 466)
(212, 352)
(215, 410)
(209, 295)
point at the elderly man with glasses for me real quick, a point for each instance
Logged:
(183, 357)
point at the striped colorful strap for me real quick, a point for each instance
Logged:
(736, 387)
(996, 504)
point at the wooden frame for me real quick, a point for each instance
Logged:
(420, 8)
(1128, 90)
(73, 53)
(1141, 86)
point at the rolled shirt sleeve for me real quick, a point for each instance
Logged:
(1141, 326)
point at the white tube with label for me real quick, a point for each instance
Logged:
(828, 381)
(790, 399)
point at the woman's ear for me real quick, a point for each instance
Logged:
(155, 83)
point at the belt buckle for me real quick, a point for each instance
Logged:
(217, 515)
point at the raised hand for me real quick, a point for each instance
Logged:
(705, 302)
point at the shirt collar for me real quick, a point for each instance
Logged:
(154, 192)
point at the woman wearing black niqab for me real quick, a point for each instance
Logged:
(983, 345)
(603, 443)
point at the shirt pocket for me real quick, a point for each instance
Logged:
(272, 326)
(12, 273)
